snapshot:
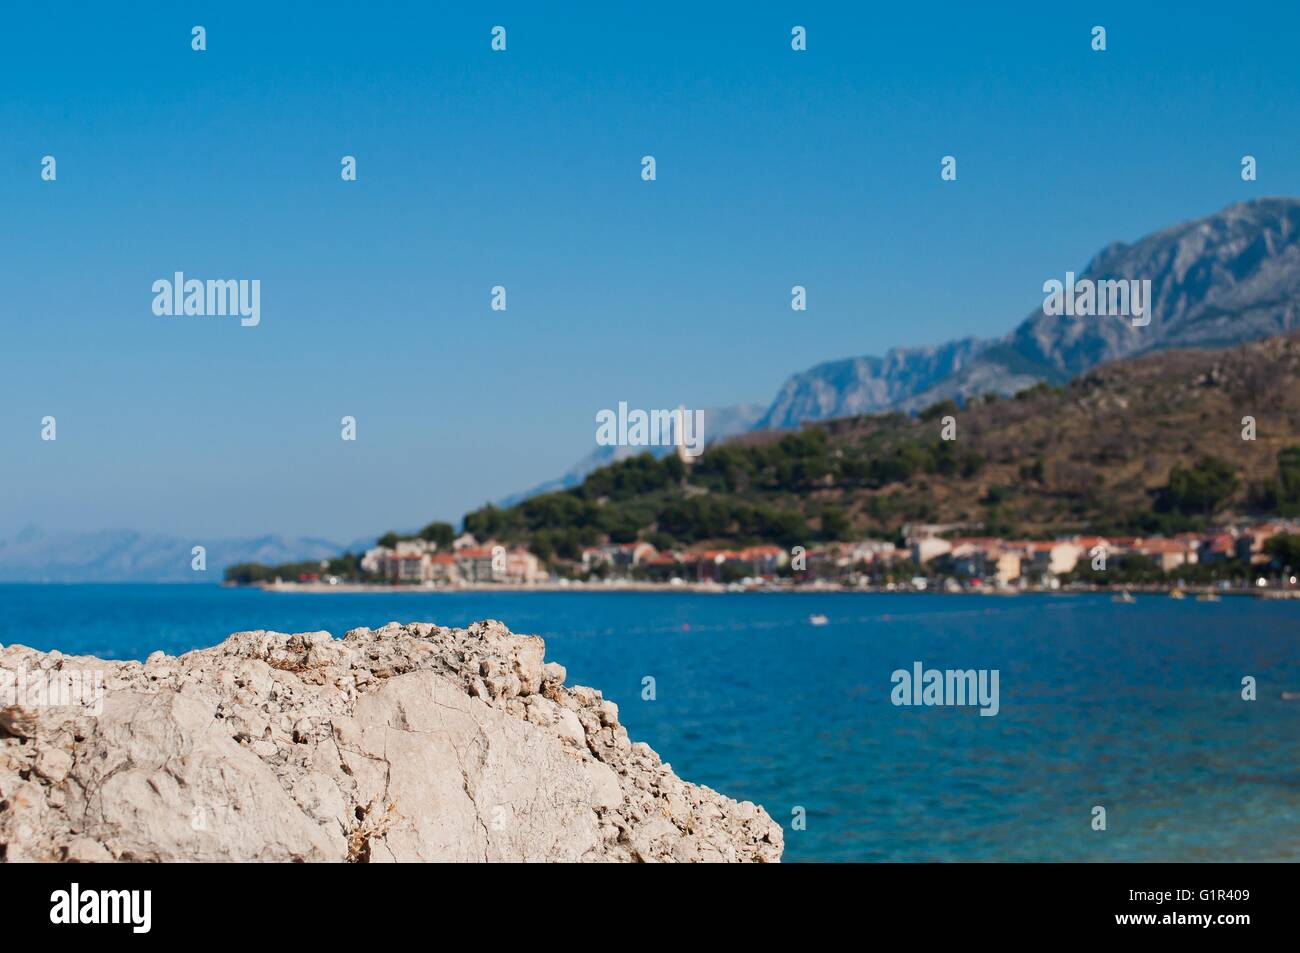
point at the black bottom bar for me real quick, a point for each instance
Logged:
(332, 903)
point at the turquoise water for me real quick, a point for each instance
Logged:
(1136, 708)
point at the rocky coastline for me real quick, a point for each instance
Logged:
(406, 743)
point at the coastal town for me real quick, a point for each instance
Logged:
(1258, 557)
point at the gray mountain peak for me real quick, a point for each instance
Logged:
(1230, 277)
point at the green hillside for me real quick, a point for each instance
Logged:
(1146, 446)
(1143, 446)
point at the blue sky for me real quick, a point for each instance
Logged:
(522, 169)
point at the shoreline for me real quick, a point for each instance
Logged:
(700, 588)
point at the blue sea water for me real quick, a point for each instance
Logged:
(1136, 708)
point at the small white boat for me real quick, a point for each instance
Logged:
(818, 619)
(1125, 597)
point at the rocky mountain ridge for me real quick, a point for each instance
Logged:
(1224, 279)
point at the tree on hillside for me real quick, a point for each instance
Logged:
(943, 408)
(440, 534)
(836, 524)
(486, 523)
(1202, 488)
(1282, 494)
(1285, 548)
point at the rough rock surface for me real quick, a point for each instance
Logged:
(406, 743)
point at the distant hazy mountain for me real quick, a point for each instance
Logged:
(864, 385)
(719, 422)
(1228, 278)
(128, 556)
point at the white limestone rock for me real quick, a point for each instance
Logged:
(406, 743)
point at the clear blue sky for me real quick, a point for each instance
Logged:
(523, 169)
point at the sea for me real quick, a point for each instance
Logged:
(787, 700)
